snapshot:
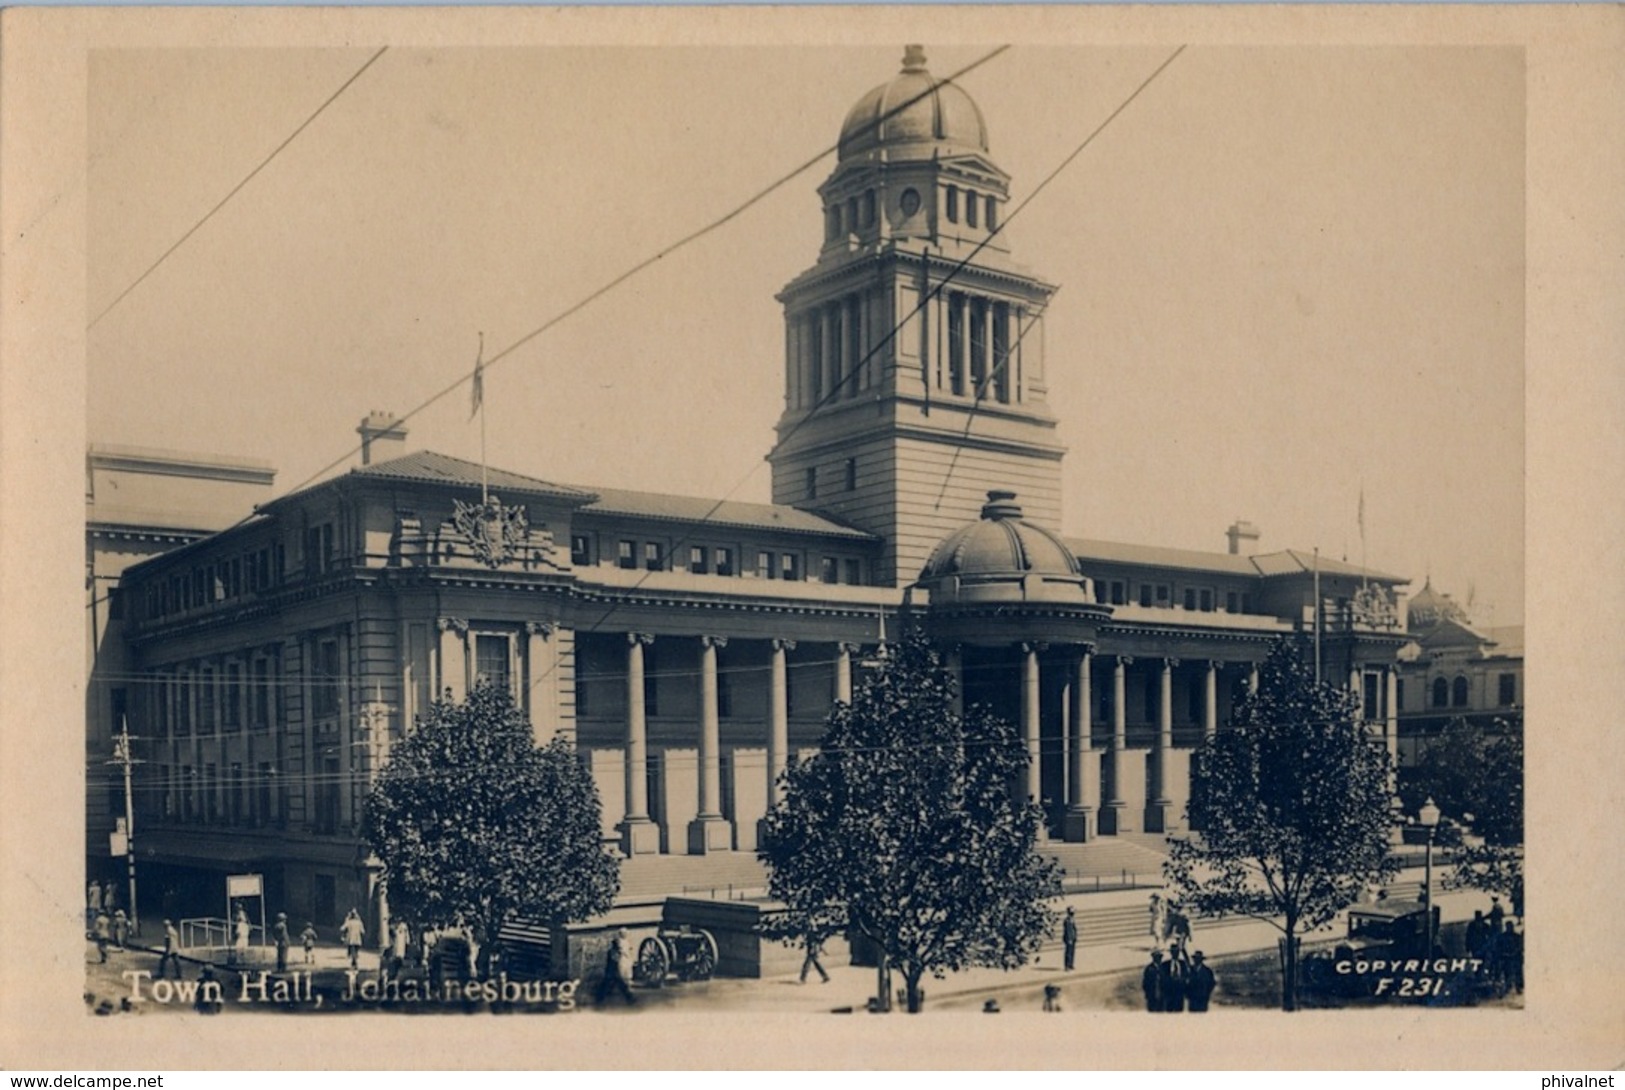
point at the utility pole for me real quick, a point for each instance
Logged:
(123, 757)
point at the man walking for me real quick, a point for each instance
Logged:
(1069, 937)
(354, 932)
(1151, 982)
(615, 961)
(814, 943)
(171, 954)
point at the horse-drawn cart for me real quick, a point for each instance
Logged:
(688, 953)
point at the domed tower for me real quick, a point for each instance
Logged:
(914, 346)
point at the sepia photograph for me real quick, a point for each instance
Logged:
(588, 526)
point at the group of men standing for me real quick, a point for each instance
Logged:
(1177, 982)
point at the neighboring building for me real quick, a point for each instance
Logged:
(139, 503)
(690, 647)
(1453, 670)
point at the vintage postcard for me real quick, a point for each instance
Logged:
(608, 526)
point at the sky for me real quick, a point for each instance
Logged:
(1289, 275)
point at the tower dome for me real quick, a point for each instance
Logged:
(913, 113)
(1003, 557)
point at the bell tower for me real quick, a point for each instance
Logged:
(914, 346)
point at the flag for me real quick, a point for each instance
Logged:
(478, 391)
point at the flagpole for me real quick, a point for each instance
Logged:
(1317, 613)
(479, 407)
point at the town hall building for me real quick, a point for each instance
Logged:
(690, 648)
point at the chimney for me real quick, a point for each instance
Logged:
(375, 426)
(1242, 530)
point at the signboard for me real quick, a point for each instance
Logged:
(118, 843)
(243, 885)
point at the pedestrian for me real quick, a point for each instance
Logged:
(616, 960)
(1173, 982)
(1159, 919)
(103, 930)
(171, 954)
(814, 943)
(1069, 937)
(400, 941)
(280, 933)
(1497, 915)
(1052, 997)
(1199, 983)
(1151, 982)
(93, 903)
(308, 938)
(1512, 956)
(1477, 930)
(241, 931)
(121, 929)
(353, 931)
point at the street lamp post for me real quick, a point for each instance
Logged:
(1428, 816)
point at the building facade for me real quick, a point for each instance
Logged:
(690, 648)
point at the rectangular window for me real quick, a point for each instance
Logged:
(325, 678)
(1119, 592)
(952, 204)
(854, 572)
(188, 777)
(829, 570)
(1231, 599)
(851, 474)
(764, 565)
(992, 214)
(211, 803)
(207, 694)
(653, 556)
(791, 567)
(183, 705)
(237, 787)
(262, 794)
(1508, 690)
(1165, 595)
(697, 559)
(491, 659)
(580, 550)
(811, 485)
(626, 554)
(260, 701)
(724, 560)
(1145, 594)
(1190, 598)
(1207, 601)
(234, 696)
(1246, 603)
(970, 209)
(1371, 692)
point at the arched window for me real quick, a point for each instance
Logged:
(951, 204)
(1441, 693)
(970, 209)
(992, 214)
(1458, 695)
(868, 208)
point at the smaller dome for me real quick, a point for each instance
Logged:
(1001, 543)
(1428, 607)
(914, 108)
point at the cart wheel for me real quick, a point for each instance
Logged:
(652, 964)
(704, 962)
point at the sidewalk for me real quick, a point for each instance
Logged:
(1016, 989)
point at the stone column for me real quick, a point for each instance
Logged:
(453, 658)
(709, 831)
(778, 718)
(961, 361)
(1029, 718)
(1156, 807)
(843, 671)
(1252, 679)
(1210, 701)
(639, 835)
(1112, 808)
(1079, 811)
(542, 660)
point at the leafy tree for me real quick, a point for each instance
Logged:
(474, 824)
(1293, 805)
(1492, 859)
(904, 826)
